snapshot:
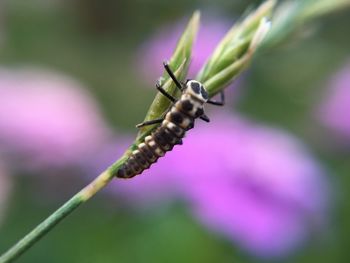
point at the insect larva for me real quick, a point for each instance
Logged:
(177, 121)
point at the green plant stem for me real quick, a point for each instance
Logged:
(38, 232)
(44, 227)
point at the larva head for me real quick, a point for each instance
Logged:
(197, 90)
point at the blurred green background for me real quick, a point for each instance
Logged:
(95, 42)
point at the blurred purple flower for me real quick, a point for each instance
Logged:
(47, 120)
(335, 110)
(161, 46)
(254, 184)
(5, 189)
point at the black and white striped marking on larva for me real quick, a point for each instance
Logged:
(177, 121)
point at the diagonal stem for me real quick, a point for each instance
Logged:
(44, 227)
(38, 232)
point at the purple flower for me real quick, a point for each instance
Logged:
(161, 46)
(47, 120)
(5, 189)
(335, 109)
(256, 185)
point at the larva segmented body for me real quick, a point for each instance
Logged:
(178, 120)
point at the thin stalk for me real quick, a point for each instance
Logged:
(44, 227)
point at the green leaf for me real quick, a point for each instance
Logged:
(236, 49)
(179, 64)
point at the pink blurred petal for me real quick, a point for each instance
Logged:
(47, 119)
(335, 109)
(256, 185)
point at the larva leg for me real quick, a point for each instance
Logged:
(164, 92)
(146, 123)
(218, 103)
(204, 118)
(172, 75)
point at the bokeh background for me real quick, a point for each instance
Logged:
(266, 181)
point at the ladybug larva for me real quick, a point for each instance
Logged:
(177, 121)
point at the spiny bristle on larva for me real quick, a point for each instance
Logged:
(169, 136)
(137, 169)
(144, 148)
(153, 146)
(129, 172)
(186, 122)
(132, 163)
(164, 139)
(140, 159)
(179, 119)
(121, 172)
(176, 130)
(159, 152)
